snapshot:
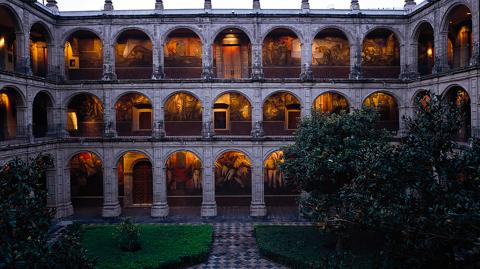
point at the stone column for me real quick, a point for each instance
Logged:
(209, 206)
(109, 117)
(402, 112)
(207, 62)
(257, 207)
(127, 188)
(157, 55)
(111, 205)
(356, 59)
(257, 66)
(65, 207)
(160, 205)
(108, 55)
(306, 74)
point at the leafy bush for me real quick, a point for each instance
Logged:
(24, 215)
(127, 235)
(67, 251)
(422, 195)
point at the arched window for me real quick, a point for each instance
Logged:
(232, 115)
(387, 108)
(135, 179)
(183, 54)
(85, 116)
(233, 179)
(8, 41)
(183, 115)
(425, 49)
(460, 99)
(184, 178)
(42, 115)
(232, 54)
(134, 115)
(11, 114)
(133, 55)
(282, 54)
(83, 56)
(86, 180)
(281, 114)
(39, 42)
(331, 54)
(331, 103)
(460, 37)
(381, 54)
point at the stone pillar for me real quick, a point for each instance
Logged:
(209, 206)
(207, 5)
(108, 55)
(410, 5)
(108, 6)
(159, 4)
(127, 188)
(356, 59)
(257, 66)
(111, 205)
(256, 4)
(402, 112)
(109, 116)
(50, 121)
(307, 73)
(157, 56)
(65, 207)
(257, 207)
(21, 60)
(207, 62)
(160, 205)
(52, 5)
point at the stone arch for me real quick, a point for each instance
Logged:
(48, 30)
(120, 154)
(452, 5)
(183, 114)
(331, 53)
(459, 98)
(18, 23)
(348, 34)
(12, 39)
(282, 53)
(293, 29)
(415, 95)
(132, 28)
(118, 97)
(40, 42)
(135, 170)
(134, 114)
(458, 35)
(12, 113)
(281, 112)
(74, 30)
(381, 53)
(232, 53)
(183, 54)
(388, 108)
(243, 29)
(424, 53)
(75, 49)
(342, 106)
(197, 31)
(416, 29)
(42, 114)
(395, 31)
(169, 153)
(232, 114)
(133, 54)
(85, 115)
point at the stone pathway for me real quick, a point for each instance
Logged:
(234, 247)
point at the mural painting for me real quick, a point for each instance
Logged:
(387, 108)
(233, 174)
(331, 103)
(330, 51)
(8, 115)
(276, 105)
(184, 174)
(275, 182)
(83, 56)
(183, 52)
(86, 176)
(134, 113)
(282, 50)
(183, 107)
(232, 111)
(85, 115)
(381, 49)
(133, 56)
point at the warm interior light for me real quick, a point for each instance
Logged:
(2, 42)
(230, 39)
(4, 100)
(430, 52)
(72, 121)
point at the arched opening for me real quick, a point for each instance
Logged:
(232, 115)
(331, 102)
(11, 114)
(460, 37)
(458, 98)
(8, 40)
(42, 114)
(183, 115)
(184, 179)
(425, 49)
(277, 191)
(422, 98)
(381, 55)
(85, 116)
(83, 56)
(183, 54)
(331, 54)
(387, 108)
(233, 179)
(135, 179)
(282, 54)
(134, 115)
(86, 181)
(281, 114)
(133, 55)
(39, 41)
(232, 54)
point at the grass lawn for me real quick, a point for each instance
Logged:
(307, 246)
(163, 246)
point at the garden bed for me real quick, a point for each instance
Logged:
(163, 246)
(310, 247)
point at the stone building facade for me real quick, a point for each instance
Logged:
(132, 104)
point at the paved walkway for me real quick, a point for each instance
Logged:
(234, 247)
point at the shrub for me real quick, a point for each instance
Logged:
(127, 235)
(67, 251)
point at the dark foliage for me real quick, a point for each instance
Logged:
(127, 235)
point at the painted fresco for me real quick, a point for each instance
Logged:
(184, 174)
(124, 106)
(381, 50)
(86, 175)
(385, 104)
(8, 115)
(233, 174)
(83, 52)
(331, 50)
(331, 103)
(281, 51)
(88, 108)
(276, 105)
(274, 178)
(134, 52)
(183, 107)
(183, 51)
(239, 106)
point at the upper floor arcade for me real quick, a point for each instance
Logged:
(244, 45)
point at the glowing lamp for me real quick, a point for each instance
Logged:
(430, 52)
(230, 39)
(2, 42)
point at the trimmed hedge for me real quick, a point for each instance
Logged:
(309, 247)
(163, 246)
